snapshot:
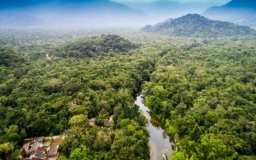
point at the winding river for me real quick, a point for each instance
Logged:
(160, 146)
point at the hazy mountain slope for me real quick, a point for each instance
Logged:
(62, 13)
(238, 11)
(18, 4)
(194, 25)
(246, 4)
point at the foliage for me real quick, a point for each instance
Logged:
(96, 46)
(61, 96)
(203, 93)
(205, 98)
(8, 57)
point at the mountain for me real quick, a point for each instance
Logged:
(96, 46)
(241, 4)
(61, 13)
(19, 4)
(195, 25)
(237, 11)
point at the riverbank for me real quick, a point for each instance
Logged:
(160, 145)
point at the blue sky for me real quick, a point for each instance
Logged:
(210, 2)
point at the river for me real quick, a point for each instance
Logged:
(160, 146)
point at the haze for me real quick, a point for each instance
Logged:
(96, 13)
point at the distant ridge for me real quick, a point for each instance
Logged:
(240, 4)
(195, 25)
(64, 12)
(238, 11)
(19, 4)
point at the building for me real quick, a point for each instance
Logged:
(42, 148)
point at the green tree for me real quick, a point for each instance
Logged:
(80, 153)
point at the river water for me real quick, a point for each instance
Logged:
(160, 146)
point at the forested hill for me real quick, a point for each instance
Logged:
(9, 58)
(194, 25)
(96, 46)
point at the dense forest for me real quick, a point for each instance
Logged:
(96, 46)
(205, 96)
(202, 92)
(61, 96)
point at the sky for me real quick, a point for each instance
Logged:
(210, 2)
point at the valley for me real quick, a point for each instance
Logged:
(201, 93)
(127, 80)
(159, 142)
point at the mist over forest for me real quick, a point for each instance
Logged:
(127, 80)
(92, 13)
